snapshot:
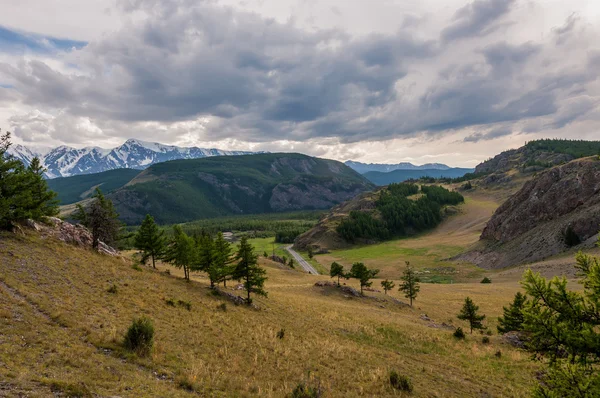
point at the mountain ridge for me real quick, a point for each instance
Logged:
(363, 168)
(64, 161)
(190, 189)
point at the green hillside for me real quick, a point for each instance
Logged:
(75, 188)
(185, 190)
(381, 178)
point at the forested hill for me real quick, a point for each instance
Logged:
(382, 178)
(540, 154)
(185, 190)
(393, 211)
(79, 187)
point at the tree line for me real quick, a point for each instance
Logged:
(397, 215)
(24, 193)
(202, 253)
(409, 286)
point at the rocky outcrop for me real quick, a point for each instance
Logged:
(76, 235)
(522, 158)
(531, 224)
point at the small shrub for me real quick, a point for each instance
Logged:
(281, 334)
(186, 384)
(489, 332)
(167, 272)
(459, 333)
(265, 255)
(485, 340)
(486, 280)
(222, 307)
(214, 292)
(185, 304)
(305, 391)
(400, 382)
(139, 337)
(113, 289)
(498, 354)
(170, 302)
(136, 267)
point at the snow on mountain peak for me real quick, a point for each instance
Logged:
(64, 161)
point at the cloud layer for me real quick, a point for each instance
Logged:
(189, 72)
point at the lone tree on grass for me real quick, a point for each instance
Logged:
(337, 270)
(387, 285)
(248, 270)
(363, 274)
(513, 315)
(410, 284)
(150, 240)
(181, 251)
(564, 327)
(469, 313)
(100, 218)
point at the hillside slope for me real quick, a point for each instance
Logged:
(532, 224)
(61, 331)
(386, 178)
(186, 190)
(79, 187)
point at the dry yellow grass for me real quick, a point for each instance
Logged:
(60, 327)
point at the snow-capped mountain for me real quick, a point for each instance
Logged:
(65, 161)
(366, 167)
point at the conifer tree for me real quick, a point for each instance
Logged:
(150, 240)
(363, 274)
(337, 270)
(563, 327)
(181, 251)
(248, 270)
(513, 315)
(43, 202)
(100, 218)
(23, 191)
(387, 285)
(410, 283)
(469, 313)
(204, 261)
(222, 259)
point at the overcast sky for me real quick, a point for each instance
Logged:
(371, 80)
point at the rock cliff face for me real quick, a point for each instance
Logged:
(531, 224)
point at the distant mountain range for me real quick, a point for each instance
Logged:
(380, 178)
(65, 161)
(363, 168)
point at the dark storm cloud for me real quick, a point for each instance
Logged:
(478, 18)
(260, 80)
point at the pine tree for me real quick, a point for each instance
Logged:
(469, 313)
(222, 259)
(23, 191)
(410, 283)
(43, 201)
(337, 270)
(513, 315)
(363, 274)
(100, 218)
(150, 240)
(180, 252)
(387, 285)
(248, 270)
(563, 327)
(205, 260)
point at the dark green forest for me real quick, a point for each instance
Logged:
(397, 214)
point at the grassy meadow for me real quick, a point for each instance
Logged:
(61, 329)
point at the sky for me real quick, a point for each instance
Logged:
(379, 81)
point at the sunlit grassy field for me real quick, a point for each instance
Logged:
(431, 252)
(61, 330)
